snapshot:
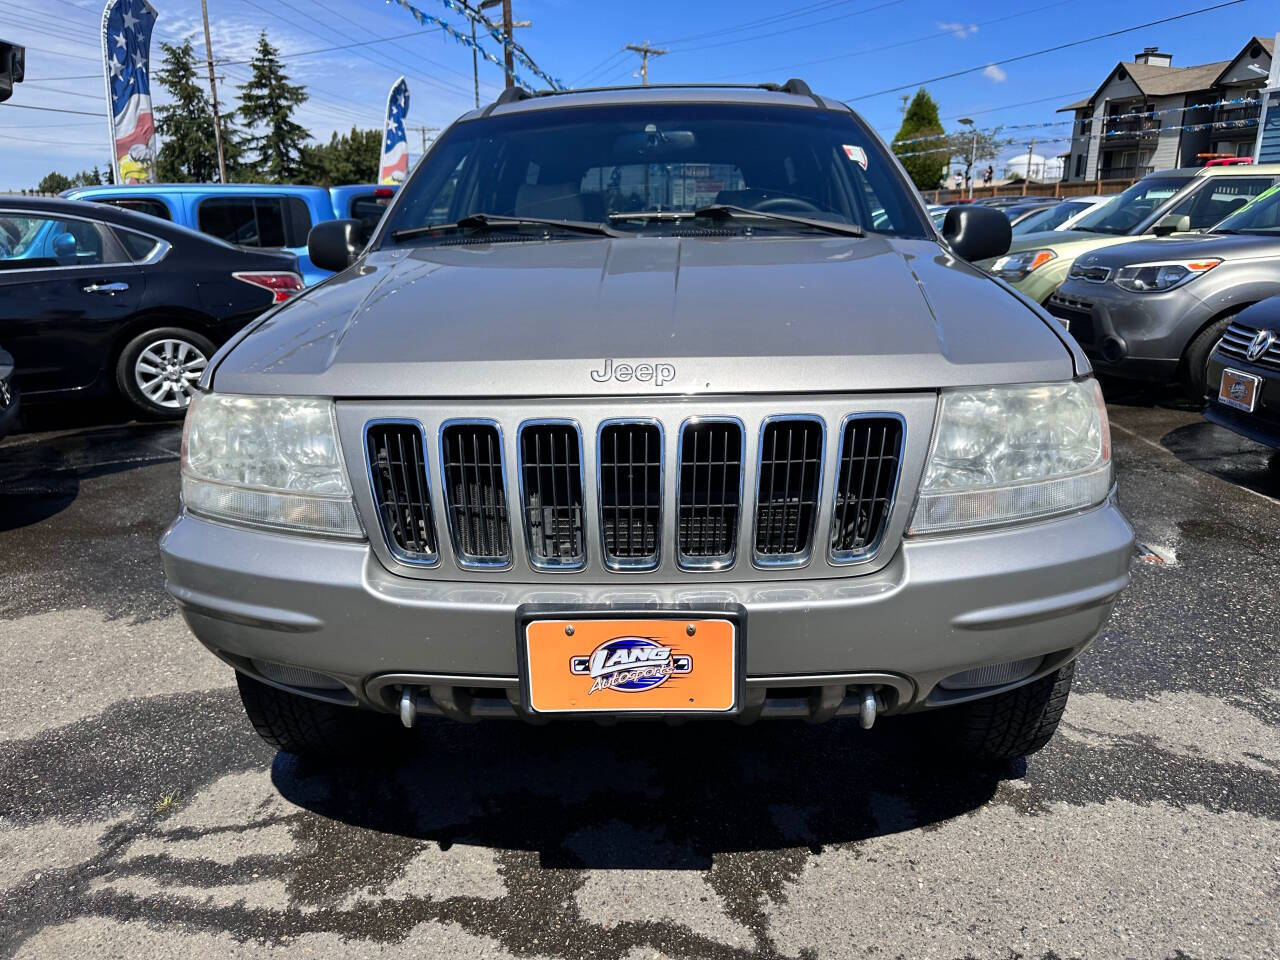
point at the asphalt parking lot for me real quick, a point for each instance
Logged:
(140, 816)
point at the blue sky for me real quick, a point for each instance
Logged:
(844, 48)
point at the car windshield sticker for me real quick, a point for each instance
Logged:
(856, 154)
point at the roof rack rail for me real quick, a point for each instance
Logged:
(793, 86)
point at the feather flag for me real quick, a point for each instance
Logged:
(394, 166)
(126, 66)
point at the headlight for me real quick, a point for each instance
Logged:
(269, 462)
(1157, 277)
(1009, 454)
(1017, 266)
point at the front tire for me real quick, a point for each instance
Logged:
(1195, 359)
(1010, 724)
(158, 370)
(315, 728)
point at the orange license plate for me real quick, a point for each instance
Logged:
(646, 665)
(1239, 390)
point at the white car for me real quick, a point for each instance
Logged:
(1060, 216)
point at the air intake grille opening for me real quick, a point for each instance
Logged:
(551, 465)
(870, 452)
(710, 491)
(476, 494)
(631, 493)
(787, 494)
(397, 471)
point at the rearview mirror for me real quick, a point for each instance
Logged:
(334, 244)
(1171, 223)
(977, 232)
(64, 248)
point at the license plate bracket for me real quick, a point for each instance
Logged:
(634, 663)
(1239, 390)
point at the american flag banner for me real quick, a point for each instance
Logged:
(395, 149)
(126, 64)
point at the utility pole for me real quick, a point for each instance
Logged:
(1027, 179)
(508, 41)
(973, 152)
(475, 63)
(904, 98)
(645, 52)
(424, 131)
(213, 92)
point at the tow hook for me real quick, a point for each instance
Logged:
(867, 714)
(409, 708)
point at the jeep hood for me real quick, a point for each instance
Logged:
(725, 316)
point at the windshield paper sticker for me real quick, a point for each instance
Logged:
(856, 154)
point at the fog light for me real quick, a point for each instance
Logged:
(295, 676)
(994, 675)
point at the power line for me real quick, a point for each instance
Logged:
(27, 106)
(863, 51)
(776, 33)
(1054, 49)
(599, 67)
(761, 21)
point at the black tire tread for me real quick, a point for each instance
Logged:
(1015, 723)
(302, 725)
(1196, 357)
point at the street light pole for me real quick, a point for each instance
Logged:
(973, 152)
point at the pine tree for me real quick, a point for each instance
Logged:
(273, 141)
(188, 150)
(349, 158)
(921, 120)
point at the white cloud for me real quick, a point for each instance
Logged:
(995, 74)
(960, 31)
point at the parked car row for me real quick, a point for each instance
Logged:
(275, 216)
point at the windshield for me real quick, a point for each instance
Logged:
(1048, 219)
(1261, 215)
(590, 164)
(1124, 214)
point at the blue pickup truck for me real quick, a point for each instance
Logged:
(277, 216)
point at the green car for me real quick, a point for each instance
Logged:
(1159, 204)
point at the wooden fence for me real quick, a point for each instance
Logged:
(1082, 188)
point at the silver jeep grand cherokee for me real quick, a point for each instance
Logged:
(651, 403)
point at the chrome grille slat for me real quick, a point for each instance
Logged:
(1237, 340)
(397, 461)
(551, 493)
(630, 520)
(709, 492)
(788, 489)
(475, 493)
(862, 511)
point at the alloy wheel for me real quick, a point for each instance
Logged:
(167, 371)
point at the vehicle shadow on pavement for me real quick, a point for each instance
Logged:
(1226, 455)
(41, 473)
(645, 796)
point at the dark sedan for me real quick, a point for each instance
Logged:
(95, 299)
(1243, 384)
(8, 395)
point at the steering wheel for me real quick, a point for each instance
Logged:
(786, 205)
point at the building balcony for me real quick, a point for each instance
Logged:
(1132, 128)
(1125, 172)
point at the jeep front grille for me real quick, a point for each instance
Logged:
(551, 494)
(630, 475)
(590, 492)
(476, 493)
(866, 481)
(709, 493)
(398, 476)
(790, 480)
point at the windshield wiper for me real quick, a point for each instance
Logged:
(492, 221)
(727, 210)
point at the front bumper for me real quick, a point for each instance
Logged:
(940, 606)
(1137, 335)
(1263, 424)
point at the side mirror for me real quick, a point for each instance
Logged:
(1171, 223)
(64, 249)
(976, 232)
(334, 244)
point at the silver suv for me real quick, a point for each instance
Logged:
(652, 403)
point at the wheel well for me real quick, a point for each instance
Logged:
(1220, 315)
